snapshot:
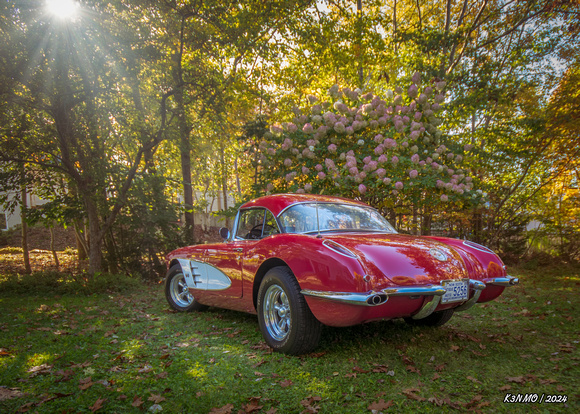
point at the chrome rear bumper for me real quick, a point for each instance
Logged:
(376, 298)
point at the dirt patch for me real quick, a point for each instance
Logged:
(39, 238)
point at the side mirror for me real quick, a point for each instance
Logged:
(225, 233)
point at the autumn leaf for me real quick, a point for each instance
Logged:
(137, 402)
(380, 405)
(156, 398)
(454, 348)
(505, 387)
(470, 378)
(253, 405)
(310, 404)
(519, 380)
(285, 383)
(98, 404)
(360, 370)
(40, 370)
(411, 368)
(380, 368)
(9, 393)
(226, 409)
(145, 369)
(411, 394)
(436, 401)
(474, 401)
(84, 381)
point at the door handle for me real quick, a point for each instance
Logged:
(238, 249)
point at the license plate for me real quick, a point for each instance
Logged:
(456, 291)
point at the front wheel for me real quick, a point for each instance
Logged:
(286, 322)
(435, 319)
(177, 292)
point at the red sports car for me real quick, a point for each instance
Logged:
(300, 261)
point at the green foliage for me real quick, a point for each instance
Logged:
(146, 229)
(57, 283)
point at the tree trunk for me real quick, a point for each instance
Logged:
(184, 143)
(23, 207)
(95, 238)
(52, 249)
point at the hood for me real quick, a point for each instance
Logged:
(403, 259)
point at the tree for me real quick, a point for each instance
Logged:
(58, 99)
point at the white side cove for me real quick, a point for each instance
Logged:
(203, 276)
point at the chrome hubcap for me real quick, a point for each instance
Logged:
(277, 315)
(180, 292)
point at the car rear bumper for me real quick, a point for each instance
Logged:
(435, 292)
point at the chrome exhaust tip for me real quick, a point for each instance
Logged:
(377, 299)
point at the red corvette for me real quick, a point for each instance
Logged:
(300, 261)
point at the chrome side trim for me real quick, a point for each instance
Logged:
(203, 276)
(502, 281)
(477, 288)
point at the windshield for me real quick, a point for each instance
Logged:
(302, 218)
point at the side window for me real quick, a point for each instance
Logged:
(270, 227)
(250, 224)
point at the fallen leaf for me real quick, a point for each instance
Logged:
(226, 409)
(436, 401)
(454, 348)
(98, 404)
(156, 398)
(137, 402)
(439, 368)
(505, 387)
(474, 401)
(519, 380)
(380, 368)
(253, 405)
(470, 378)
(285, 383)
(9, 393)
(411, 394)
(380, 405)
(40, 370)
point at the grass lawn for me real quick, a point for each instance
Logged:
(124, 351)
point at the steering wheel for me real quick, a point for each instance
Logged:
(256, 231)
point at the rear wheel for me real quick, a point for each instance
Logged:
(435, 319)
(286, 322)
(177, 292)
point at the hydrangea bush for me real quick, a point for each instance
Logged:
(387, 151)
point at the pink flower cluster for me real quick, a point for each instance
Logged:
(359, 143)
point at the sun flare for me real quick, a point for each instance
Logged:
(63, 9)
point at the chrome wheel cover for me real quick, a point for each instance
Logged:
(179, 291)
(276, 309)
